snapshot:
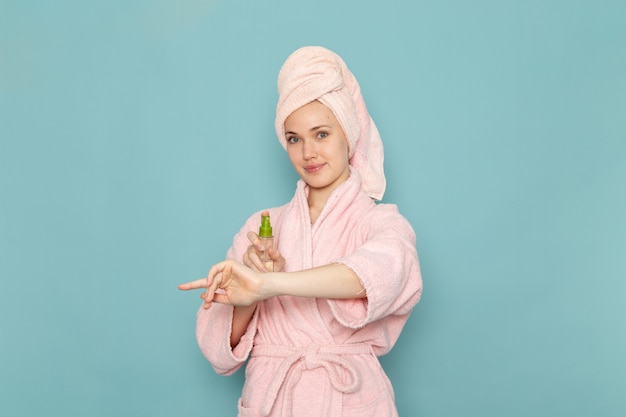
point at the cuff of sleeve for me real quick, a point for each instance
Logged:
(213, 329)
(352, 313)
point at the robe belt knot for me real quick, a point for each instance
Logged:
(333, 358)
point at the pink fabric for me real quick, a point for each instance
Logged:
(316, 73)
(314, 357)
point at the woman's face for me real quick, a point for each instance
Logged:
(317, 146)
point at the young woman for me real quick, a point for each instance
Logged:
(345, 273)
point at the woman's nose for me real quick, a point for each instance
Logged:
(309, 150)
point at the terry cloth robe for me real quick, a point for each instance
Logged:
(318, 357)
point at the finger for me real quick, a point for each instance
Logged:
(274, 253)
(254, 260)
(221, 299)
(279, 264)
(209, 293)
(259, 265)
(254, 239)
(247, 259)
(213, 280)
(279, 260)
(206, 295)
(207, 300)
(193, 285)
(215, 276)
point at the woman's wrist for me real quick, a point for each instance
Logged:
(271, 285)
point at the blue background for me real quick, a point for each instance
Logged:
(137, 136)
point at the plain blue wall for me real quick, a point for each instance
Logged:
(131, 141)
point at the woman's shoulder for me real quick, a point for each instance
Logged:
(386, 210)
(385, 215)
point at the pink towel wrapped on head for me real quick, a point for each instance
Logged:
(311, 357)
(316, 73)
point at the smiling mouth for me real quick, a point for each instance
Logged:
(313, 168)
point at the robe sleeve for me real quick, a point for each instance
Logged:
(388, 268)
(214, 326)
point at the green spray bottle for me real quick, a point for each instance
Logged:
(267, 240)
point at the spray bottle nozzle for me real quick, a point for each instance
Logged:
(266, 228)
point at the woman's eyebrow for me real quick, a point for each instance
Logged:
(313, 129)
(320, 127)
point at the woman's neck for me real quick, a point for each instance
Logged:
(317, 200)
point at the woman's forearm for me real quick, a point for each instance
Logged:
(241, 319)
(328, 281)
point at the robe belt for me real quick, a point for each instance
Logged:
(296, 359)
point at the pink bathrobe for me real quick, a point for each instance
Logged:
(318, 357)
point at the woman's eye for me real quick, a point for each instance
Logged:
(322, 135)
(292, 139)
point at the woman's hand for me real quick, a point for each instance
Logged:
(252, 257)
(229, 282)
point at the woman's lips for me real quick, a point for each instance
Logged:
(311, 169)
